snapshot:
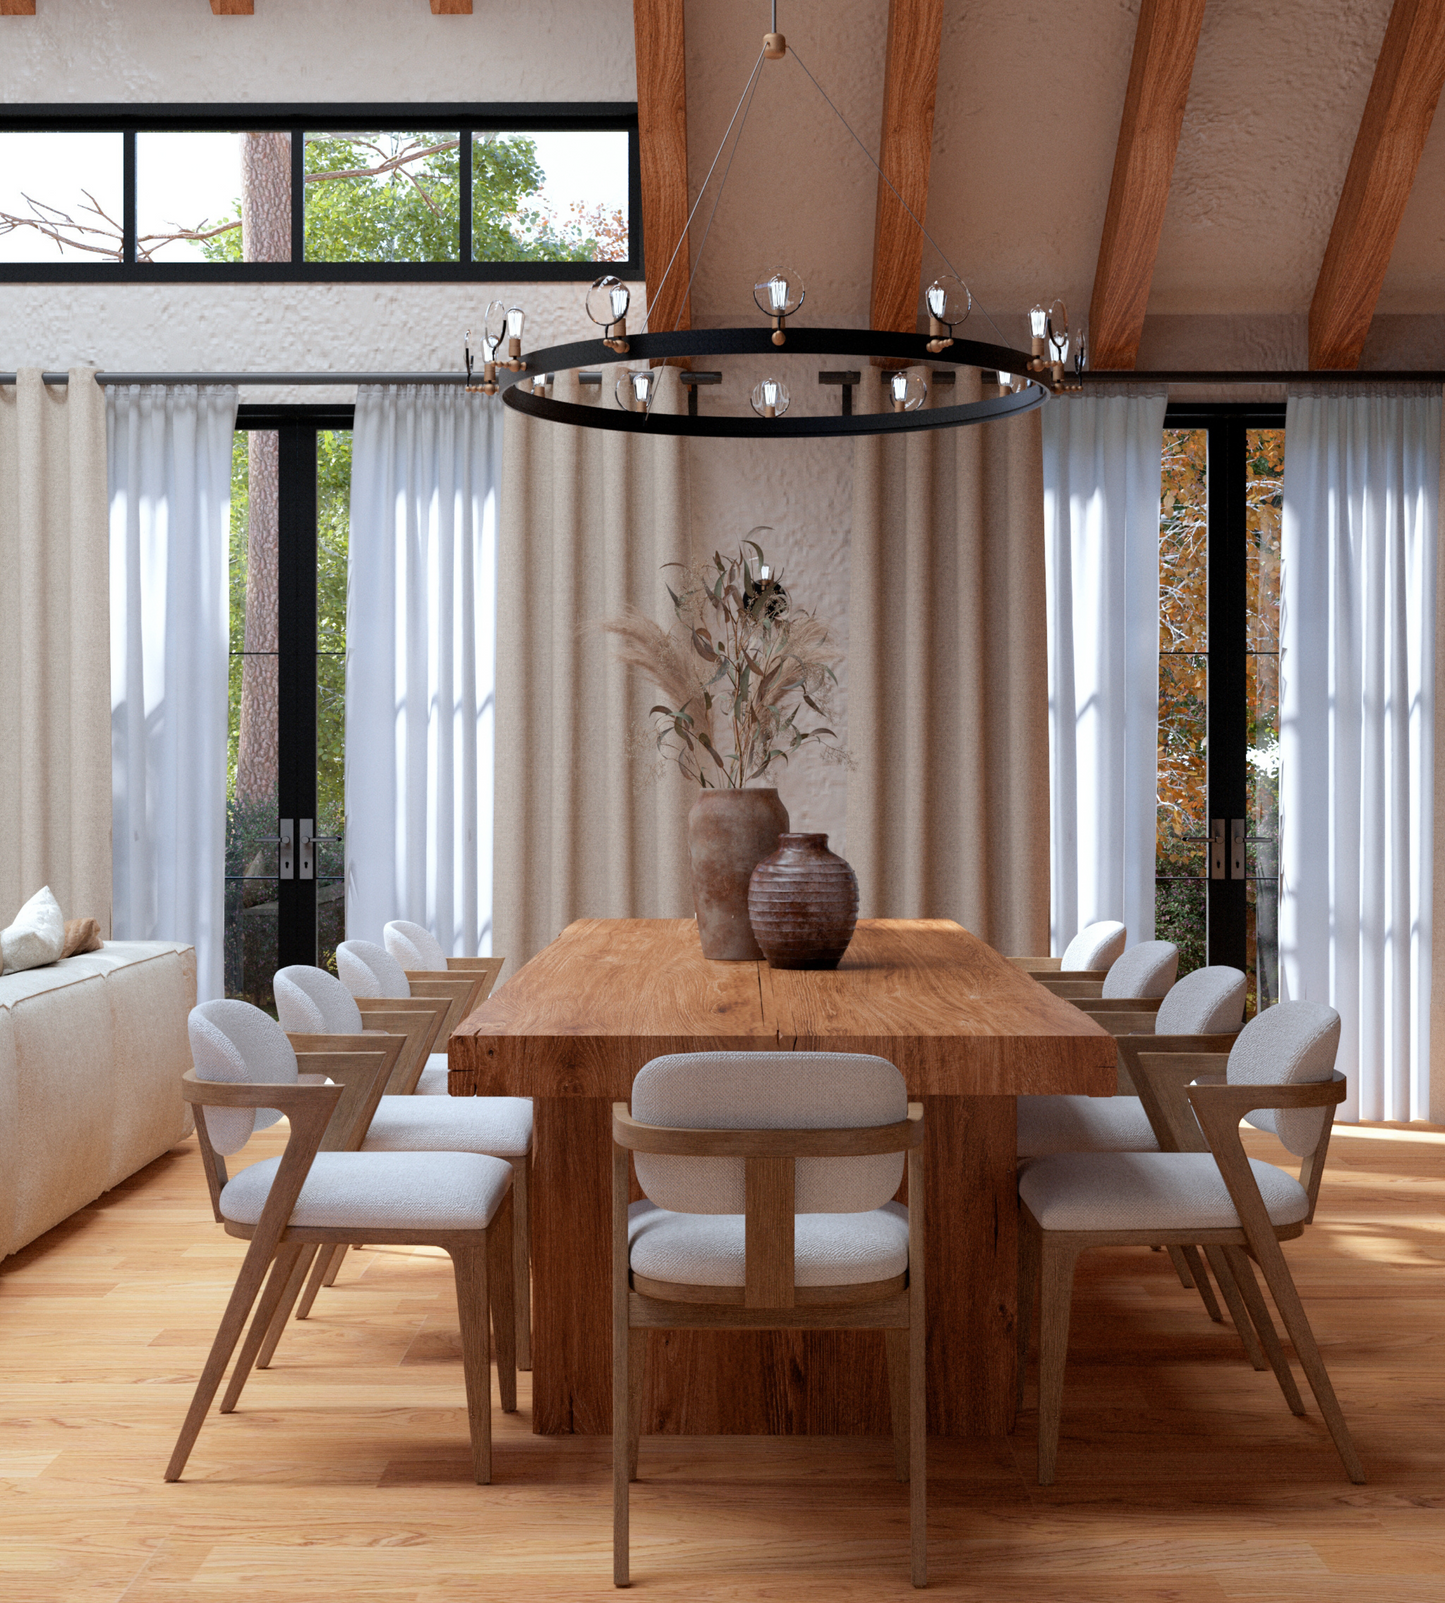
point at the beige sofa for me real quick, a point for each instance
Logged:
(92, 1049)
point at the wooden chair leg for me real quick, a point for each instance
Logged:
(284, 1307)
(1055, 1295)
(621, 1430)
(1028, 1294)
(1244, 1326)
(243, 1294)
(328, 1259)
(500, 1242)
(522, 1257)
(281, 1270)
(896, 1348)
(636, 1377)
(1286, 1298)
(469, 1263)
(1181, 1266)
(1249, 1290)
(1200, 1281)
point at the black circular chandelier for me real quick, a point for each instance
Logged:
(911, 364)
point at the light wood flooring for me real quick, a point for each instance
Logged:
(344, 1474)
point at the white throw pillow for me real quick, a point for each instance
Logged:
(37, 936)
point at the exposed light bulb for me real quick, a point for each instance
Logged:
(1038, 322)
(906, 390)
(516, 319)
(780, 293)
(608, 300)
(770, 397)
(636, 390)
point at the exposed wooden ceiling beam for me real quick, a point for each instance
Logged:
(1406, 86)
(905, 152)
(451, 8)
(233, 8)
(17, 8)
(662, 138)
(1164, 45)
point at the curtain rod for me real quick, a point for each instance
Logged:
(1099, 376)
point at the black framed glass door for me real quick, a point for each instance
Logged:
(285, 887)
(1217, 850)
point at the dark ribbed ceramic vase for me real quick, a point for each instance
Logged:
(729, 832)
(803, 902)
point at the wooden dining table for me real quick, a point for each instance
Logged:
(970, 1033)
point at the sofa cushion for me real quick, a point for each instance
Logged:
(37, 936)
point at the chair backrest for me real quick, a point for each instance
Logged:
(309, 1001)
(1210, 1001)
(414, 947)
(237, 1043)
(1291, 1043)
(769, 1091)
(1096, 946)
(1145, 970)
(369, 970)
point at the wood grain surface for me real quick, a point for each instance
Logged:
(1162, 65)
(968, 1029)
(658, 35)
(1409, 73)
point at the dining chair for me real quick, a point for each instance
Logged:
(467, 981)
(1201, 1189)
(317, 1010)
(246, 1075)
(768, 1179)
(1203, 1012)
(1087, 958)
(373, 975)
(1143, 972)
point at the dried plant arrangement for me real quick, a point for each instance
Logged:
(737, 669)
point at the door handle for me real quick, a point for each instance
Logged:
(1216, 848)
(1236, 848)
(308, 841)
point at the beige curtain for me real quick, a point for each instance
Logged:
(588, 517)
(948, 805)
(55, 629)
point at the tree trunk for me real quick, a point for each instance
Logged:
(265, 237)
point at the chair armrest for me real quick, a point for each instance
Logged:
(1161, 1081)
(307, 1090)
(362, 1072)
(1036, 965)
(1237, 1101)
(667, 1141)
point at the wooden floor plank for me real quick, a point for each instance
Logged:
(345, 1472)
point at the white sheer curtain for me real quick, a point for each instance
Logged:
(420, 662)
(170, 502)
(1102, 457)
(1357, 666)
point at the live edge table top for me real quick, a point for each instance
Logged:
(608, 995)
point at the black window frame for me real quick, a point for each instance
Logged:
(466, 118)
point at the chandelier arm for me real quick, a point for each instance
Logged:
(717, 199)
(793, 51)
(757, 65)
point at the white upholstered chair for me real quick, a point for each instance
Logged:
(1089, 956)
(373, 975)
(467, 981)
(246, 1075)
(1142, 975)
(768, 1178)
(317, 1011)
(1200, 1190)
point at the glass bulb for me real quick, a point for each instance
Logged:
(494, 325)
(780, 293)
(1038, 322)
(636, 390)
(608, 300)
(948, 300)
(770, 397)
(1059, 344)
(906, 390)
(1005, 380)
(516, 317)
(1058, 318)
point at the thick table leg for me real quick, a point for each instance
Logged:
(824, 1382)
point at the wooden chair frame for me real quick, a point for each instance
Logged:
(768, 1299)
(465, 984)
(1192, 1116)
(322, 1117)
(419, 1019)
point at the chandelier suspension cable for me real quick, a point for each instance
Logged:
(793, 51)
(717, 199)
(647, 318)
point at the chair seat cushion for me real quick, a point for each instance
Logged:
(706, 1249)
(380, 1191)
(433, 1080)
(499, 1125)
(1149, 1191)
(1083, 1124)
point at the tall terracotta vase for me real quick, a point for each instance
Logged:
(729, 832)
(804, 904)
